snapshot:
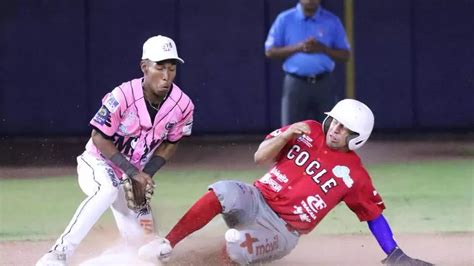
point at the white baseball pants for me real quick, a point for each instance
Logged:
(102, 187)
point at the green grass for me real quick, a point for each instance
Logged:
(420, 198)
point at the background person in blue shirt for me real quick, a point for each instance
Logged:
(309, 39)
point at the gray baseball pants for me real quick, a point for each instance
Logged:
(263, 236)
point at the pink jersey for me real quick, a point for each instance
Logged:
(309, 179)
(125, 119)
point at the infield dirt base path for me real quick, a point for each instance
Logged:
(204, 247)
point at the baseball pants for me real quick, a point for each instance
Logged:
(263, 236)
(102, 187)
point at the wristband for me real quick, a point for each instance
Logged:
(153, 165)
(119, 160)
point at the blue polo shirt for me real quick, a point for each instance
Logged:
(291, 27)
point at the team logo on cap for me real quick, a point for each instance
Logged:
(167, 46)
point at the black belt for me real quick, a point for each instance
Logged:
(311, 79)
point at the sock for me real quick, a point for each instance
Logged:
(200, 214)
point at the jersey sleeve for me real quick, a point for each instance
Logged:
(275, 36)
(340, 40)
(107, 119)
(364, 200)
(311, 123)
(276, 132)
(184, 126)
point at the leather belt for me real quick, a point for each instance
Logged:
(310, 79)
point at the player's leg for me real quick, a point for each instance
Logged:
(267, 239)
(129, 222)
(200, 214)
(254, 244)
(147, 221)
(238, 203)
(233, 198)
(98, 182)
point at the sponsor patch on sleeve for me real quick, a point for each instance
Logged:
(275, 133)
(111, 103)
(102, 117)
(188, 128)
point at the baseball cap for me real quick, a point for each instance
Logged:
(159, 48)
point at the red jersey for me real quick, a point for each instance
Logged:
(309, 179)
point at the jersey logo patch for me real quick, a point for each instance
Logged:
(309, 208)
(342, 171)
(111, 103)
(129, 123)
(103, 117)
(306, 140)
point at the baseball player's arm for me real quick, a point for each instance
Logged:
(162, 154)
(382, 232)
(395, 256)
(269, 149)
(104, 144)
(108, 149)
(166, 150)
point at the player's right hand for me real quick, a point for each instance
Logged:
(295, 130)
(143, 179)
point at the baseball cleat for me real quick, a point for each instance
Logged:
(158, 249)
(52, 258)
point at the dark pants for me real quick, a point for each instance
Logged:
(303, 100)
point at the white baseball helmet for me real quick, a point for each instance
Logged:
(355, 116)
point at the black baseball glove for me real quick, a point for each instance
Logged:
(399, 258)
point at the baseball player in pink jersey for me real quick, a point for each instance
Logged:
(314, 167)
(135, 132)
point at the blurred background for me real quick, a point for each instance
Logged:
(413, 62)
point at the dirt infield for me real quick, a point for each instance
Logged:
(200, 248)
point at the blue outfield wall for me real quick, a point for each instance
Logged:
(413, 61)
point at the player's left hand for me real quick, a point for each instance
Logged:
(399, 258)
